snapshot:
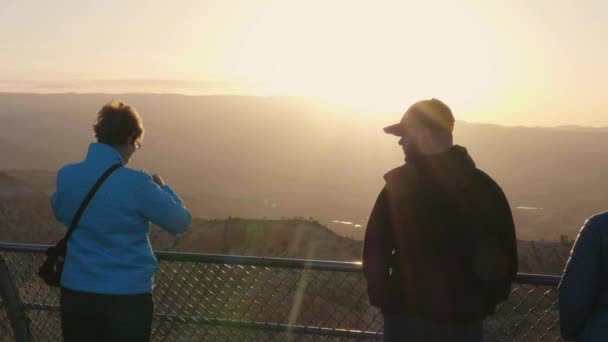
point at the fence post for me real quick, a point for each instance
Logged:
(14, 307)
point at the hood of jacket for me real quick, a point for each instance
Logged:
(450, 170)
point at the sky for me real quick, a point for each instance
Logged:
(516, 62)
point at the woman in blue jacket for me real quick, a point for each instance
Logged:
(109, 267)
(583, 291)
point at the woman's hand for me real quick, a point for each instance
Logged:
(156, 178)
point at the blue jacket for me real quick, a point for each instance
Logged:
(110, 252)
(583, 292)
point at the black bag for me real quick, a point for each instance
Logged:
(51, 269)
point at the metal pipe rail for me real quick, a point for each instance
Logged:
(322, 265)
(220, 297)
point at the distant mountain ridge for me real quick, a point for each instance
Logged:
(285, 157)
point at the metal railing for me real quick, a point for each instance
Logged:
(201, 297)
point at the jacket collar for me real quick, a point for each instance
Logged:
(454, 168)
(103, 154)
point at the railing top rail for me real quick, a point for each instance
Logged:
(524, 278)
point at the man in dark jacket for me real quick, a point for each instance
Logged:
(440, 250)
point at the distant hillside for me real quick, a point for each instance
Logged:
(542, 257)
(10, 188)
(288, 238)
(302, 239)
(28, 219)
(40, 181)
(25, 214)
(285, 157)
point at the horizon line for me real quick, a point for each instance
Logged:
(309, 97)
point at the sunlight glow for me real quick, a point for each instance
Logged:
(511, 62)
(375, 57)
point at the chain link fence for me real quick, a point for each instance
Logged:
(6, 330)
(226, 298)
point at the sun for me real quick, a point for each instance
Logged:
(369, 57)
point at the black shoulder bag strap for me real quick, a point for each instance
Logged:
(51, 269)
(86, 201)
(61, 246)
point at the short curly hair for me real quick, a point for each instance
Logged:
(117, 122)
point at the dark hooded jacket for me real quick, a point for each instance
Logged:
(440, 243)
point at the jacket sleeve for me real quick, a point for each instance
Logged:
(496, 260)
(579, 285)
(162, 206)
(507, 239)
(377, 249)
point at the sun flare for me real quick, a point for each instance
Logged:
(375, 58)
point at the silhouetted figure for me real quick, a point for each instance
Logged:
(109, 267)
(440, 250)
(583, 291)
